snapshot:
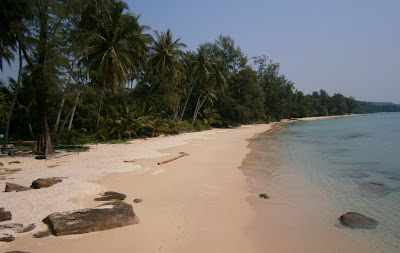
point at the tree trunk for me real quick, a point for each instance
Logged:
(14, 101)
(98, 114)
(198, 106)
(62, 127)
(186, 102)
(63, 98)
(73, 111)
(43, 144)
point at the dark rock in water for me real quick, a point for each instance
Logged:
(357, 220)
(40, 157)
(18, 228)
(137, 200)
(374, 190)
(41, 234)
(107, 216)
(356, 174)
(5, 215)
(10, 187)
(45, 182)
(263, 196)
(108, 196)
(6, 238)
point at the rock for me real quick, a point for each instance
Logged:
(263, 196)
(18, 228)
(10, 187)
(356, 174)
(41, 234)
(137, 200)
(6, 238)
(5, 215)
(109, 196)
(374, 190)
(45, 182)
(357, 220)
(17, 251)
(107, 216)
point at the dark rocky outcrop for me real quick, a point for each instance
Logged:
(374, 190)
(357, 220)
(110, 196)
(6, 238)
(45, 182)
(10, 187)
(263, 196)
(5, 215)
(18, 228)
(41, 234)
(107, 216)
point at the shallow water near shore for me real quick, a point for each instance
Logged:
(330, 167)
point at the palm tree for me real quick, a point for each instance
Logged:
(165, 56)
(210, 78)
(115, 47)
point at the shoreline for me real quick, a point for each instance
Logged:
(199, 203)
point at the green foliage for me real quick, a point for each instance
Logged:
(14, 162)
(1, 164)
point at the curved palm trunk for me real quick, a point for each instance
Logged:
(73, 110)
(63, 98)
(199, 104)
(14, 101)
(186, 102)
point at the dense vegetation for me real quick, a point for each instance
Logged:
(370, 107)
(88, 70)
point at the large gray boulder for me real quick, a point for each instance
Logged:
(357, 220)
(107, 216)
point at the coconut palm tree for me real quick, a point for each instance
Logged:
(116, 46)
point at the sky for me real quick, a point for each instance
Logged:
(343, 46)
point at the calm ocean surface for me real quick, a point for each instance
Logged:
(340, 157)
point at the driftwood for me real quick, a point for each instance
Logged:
(130, 161)
(182, 154)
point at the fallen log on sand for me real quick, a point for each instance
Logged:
(182, 154)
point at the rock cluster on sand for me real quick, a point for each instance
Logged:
(10, 187)
(357, 220)
(107, 216)
(263, 196)
(18, 228)
(109, 196)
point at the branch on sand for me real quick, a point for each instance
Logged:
(182, 154)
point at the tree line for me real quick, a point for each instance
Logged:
(89, 70)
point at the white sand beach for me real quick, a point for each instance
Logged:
(198, 203)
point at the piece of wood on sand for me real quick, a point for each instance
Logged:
(182, 154)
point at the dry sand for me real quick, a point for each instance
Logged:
(198, 203)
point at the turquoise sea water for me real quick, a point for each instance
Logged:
(341, 157)
(352, 164)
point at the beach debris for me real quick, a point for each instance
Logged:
(41, 234)
(6, 238)
(18, 228)
(110, 195)
(10, 187)
(263, 196)
(182, 154)
(45, 182)
(107, 216)
(357, 220)
(40, 157)
(17, 251)
(137, 200)
(130, 161)
(5, 215)
(374, 190)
